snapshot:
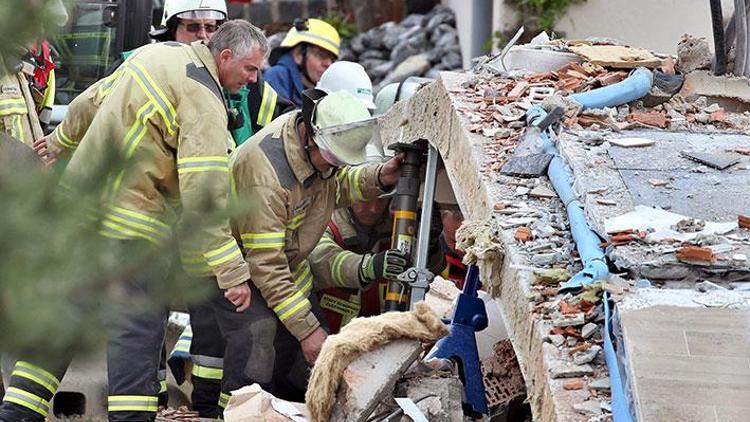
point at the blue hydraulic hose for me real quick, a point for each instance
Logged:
(632, 88)
(620, 408)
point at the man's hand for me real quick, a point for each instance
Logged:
(239, 295)
(312, 344)
(387, 264)
(41, 148)
(391, 170)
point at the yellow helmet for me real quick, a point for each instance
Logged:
(313, 31)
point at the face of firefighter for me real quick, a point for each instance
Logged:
(317, 62)
(451, 218)
(370, 213)
(189, 30)
(236, 72)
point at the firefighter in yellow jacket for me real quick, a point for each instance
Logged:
(166, 118)
(290, 177)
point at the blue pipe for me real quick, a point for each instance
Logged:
(620, 404)
(632, 88)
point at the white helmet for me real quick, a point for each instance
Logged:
(194, 9)
(348, 76)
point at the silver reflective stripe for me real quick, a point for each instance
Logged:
(208, 361)
(165, 107)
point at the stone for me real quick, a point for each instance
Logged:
(588, 330)
(588, 408)
(557, 339)
(392, 36)
(415, 19)
(359, 43)
(693, 54)
(413, 66)
(586, 356)
(738, 257)
(601, 384)
(380, 70)
(522, 190)
(371, 377)
(445, 406)
(568, 370)
(443, 16)
(574, 384)
(542, 192)
(374, 54)
(569, 320)
(544, 259)
(452, 60)
(552, 276)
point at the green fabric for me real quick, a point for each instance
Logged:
(240, 103)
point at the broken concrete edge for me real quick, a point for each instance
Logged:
(431, 114)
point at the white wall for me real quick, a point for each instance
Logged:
(652, 24)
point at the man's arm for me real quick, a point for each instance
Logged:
(333, 266)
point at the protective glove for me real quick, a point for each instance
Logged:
(387, 264)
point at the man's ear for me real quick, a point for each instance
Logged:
(297, 54)
(225, 55)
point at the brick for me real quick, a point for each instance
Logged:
(574, 384)
(523, 234)
(695, 254)
(743, 221)
(654, 119)
(518, 90)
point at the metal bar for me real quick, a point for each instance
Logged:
(423, 234)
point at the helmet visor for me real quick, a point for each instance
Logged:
(202, 14)
(346, 142)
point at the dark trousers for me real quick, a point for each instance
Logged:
(135, 329)
(259, 348)
(207, 354)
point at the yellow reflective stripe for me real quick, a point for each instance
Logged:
(267, 105)
(162, 386)
(263, 240)
(13, 106)
(154, 93)
(20, 133)
(291, 311)
(223, 399)
(207, 372)
(27, 400)
(337, 267)
(153, 224)
(291, 305)
(195, 263)
(225, 253)
(303, 277)
(199, 164)
(138, 129)
(117, 231)
(49, 93)
(109, 82)
(131, 223)
(355, 191)
(132, 403)
(63, 139)
(36, 374)
(295, 222)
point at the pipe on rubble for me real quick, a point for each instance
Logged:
(717, 23)
(636, 86)
(740, 51)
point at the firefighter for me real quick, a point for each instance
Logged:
(27, 85)
(290, 177)
(448, 259)
(165, 115)
(351, 77)
(308, 49)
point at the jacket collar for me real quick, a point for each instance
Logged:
(295, 152)
(204, 55)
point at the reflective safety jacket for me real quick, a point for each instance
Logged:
(286, 79)
(286, 206)
(18, 107)
(162, 113)
(335, 264)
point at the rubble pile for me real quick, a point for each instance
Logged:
(420, 45)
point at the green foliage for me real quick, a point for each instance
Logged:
(498, 39)
(542, 14)
(346, 27)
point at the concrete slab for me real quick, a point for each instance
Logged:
(686, 362)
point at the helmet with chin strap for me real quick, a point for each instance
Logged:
(187, 9)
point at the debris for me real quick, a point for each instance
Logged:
(689, 225)
(658, 183)
(738, 257)
(695, 254)
(586, 356)
(522, 190)
(588, 408)
(544, 259)
(444, 403)
(693, 54)
(569, 320)
(569, 370)
(719, 161)
(743, 221)
(542, 192)
(588, 330)
(523, 234)
(607, 202)
(652, 119)
(503, 380)
(441, 295)
(557, 339)
(601, 384)
(373, 351)
(551, 277)
(532, 165)
(631, 142)
(518, 90)
(252, 403)
(574, 384)
(616, 56)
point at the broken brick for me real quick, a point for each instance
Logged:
(743, 221)
(695, 254)
(523, 234)
(518, 90)
(654, 119)
(611, 78)
(575, 384)
(568, 309)
(718, 116)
